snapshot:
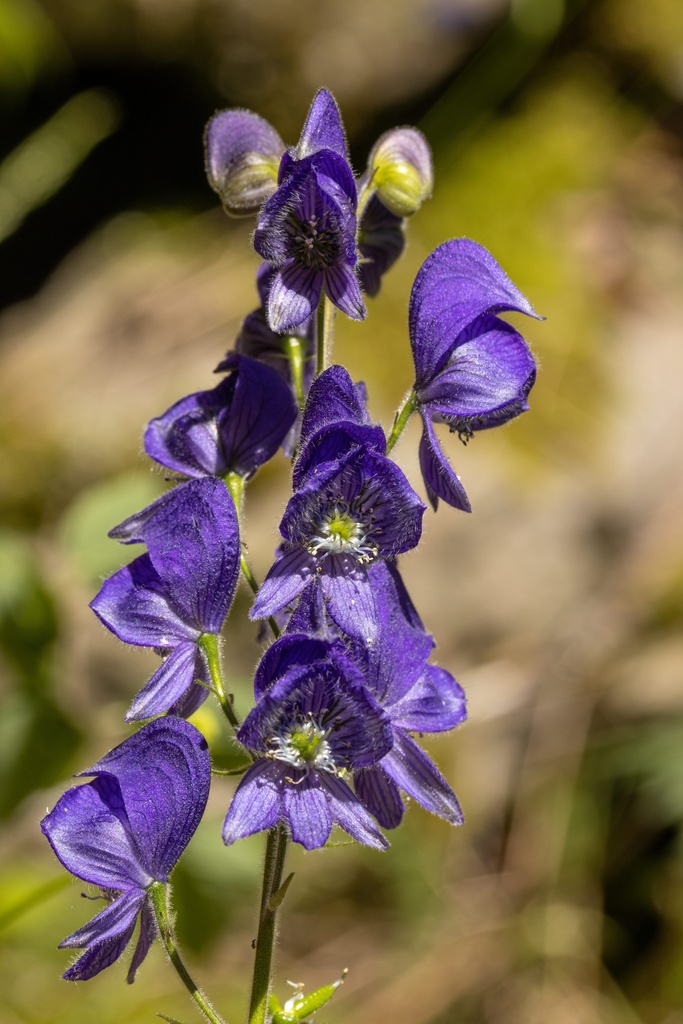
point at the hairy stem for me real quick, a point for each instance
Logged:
(210, 645)
(160, 897)
(276, 848)
(235, 484)
(324, 334)
(401, 418)
(295, 355)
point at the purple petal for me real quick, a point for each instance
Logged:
(434, 704)
(99, 957)
(323, 128)
(242, 156)
(134, 605)
(288, 575)
(439, 477)
(395, 661)
(307, 810)
(115, 919)
(332, 398)
(294, 296)
(148, 933)
(164, 773)
(414, 773)
(381, 241)
(487, 377)
(169, 683)
(380, 795)
(343, 288)
(348, 812)
(290, 652)
(185, 438)
(262, 412)
(350, 600)
(257, 803)
(192, 537)
(89, 832)
(458, 282)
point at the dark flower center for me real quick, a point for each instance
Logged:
(314, 241)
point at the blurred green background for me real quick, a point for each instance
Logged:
(557, 128)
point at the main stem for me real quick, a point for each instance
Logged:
(276, 848)
(160, 897)
(324, 328)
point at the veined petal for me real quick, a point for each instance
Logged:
(148, 932)
(348, 811)
(457, 283)
(98, 957)
(343, 288)
(440, 479)
(257, 803)
(294, 296)
(89, 831)
(323, 128)
(414, 773)
(487, 378)
(134, 605)
(291, 652)
(350, 601)
(163, 772)
(169, 683)
(287, 577)
(185, 438)
(435, 703)
(115, 919)
(380, 795)
(262, 412)
(307, 810)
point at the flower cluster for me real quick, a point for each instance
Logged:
(347, 679)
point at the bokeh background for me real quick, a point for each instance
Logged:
(557, 128)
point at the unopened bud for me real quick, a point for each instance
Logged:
(401, 168)
(243, 155)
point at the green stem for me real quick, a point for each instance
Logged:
(364, 198)
(209, 644)
(276, 848)
(401, 418)
(295, 354)
(235, 484)
(324, 334)
(160, 893)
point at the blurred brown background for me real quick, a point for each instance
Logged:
(557, 128)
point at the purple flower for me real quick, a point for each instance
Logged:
(473, 370)
(307, 229)
(234, 428)
(177, 593)
(314, 721)
(125, 831)
(351, 507)
(416, 696)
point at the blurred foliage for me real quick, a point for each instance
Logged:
(557, 128)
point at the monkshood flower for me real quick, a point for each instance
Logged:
(234, 428)
(125, 831)
(472, 370)
(313, 723)
(307, 229)
(177, 595)
(351, 507)
(416, 696)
